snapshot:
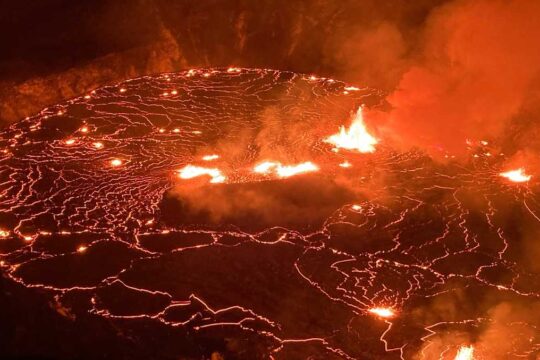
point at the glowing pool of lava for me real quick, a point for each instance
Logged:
(214, 211)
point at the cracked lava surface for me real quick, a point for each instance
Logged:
(93, 214)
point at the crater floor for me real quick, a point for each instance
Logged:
(396, 256)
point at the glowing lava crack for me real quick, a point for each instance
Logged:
(168, 205)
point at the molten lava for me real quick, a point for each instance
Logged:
(517, 175)
(465, 353)
(291, 170)
(284, 171)
(210, 157)
(116, 162)
(191, 171)
(255, 261)
(383, 312)
(356, 138)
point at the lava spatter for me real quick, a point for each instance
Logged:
(93, 214)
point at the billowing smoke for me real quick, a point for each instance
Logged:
(506, 332)
(474, 76)
(301, 203)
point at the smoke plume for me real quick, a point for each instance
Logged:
(475, 76)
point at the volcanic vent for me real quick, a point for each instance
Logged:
(251, 213)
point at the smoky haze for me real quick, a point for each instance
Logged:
(474, 76)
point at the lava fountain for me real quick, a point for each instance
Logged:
(517, 176)
(356, 137)
(465, 353)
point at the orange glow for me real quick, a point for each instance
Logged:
(116, 162)
(517, 175)
(285, 171)
(98, 145)
(355, 138)
(191, 171)
(465, 353)
(210, 157)
(356, 207)
(265, 167)
(383, 312)
(84, 129)
(4, 234)
(82, 249)
(69, 141)
(345, 164)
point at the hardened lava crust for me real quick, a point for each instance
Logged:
(166, 217)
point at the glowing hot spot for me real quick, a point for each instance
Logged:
(210, 157)
(465, 353)
(82, 249)
(285, 171)
(291, 170)
(116, 162)
(4, 234)
(517, 175)
(355, 138)
(191, 171)
(265, 167)
(383, 312)
(345, 164)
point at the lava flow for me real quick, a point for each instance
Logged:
(119, 221)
